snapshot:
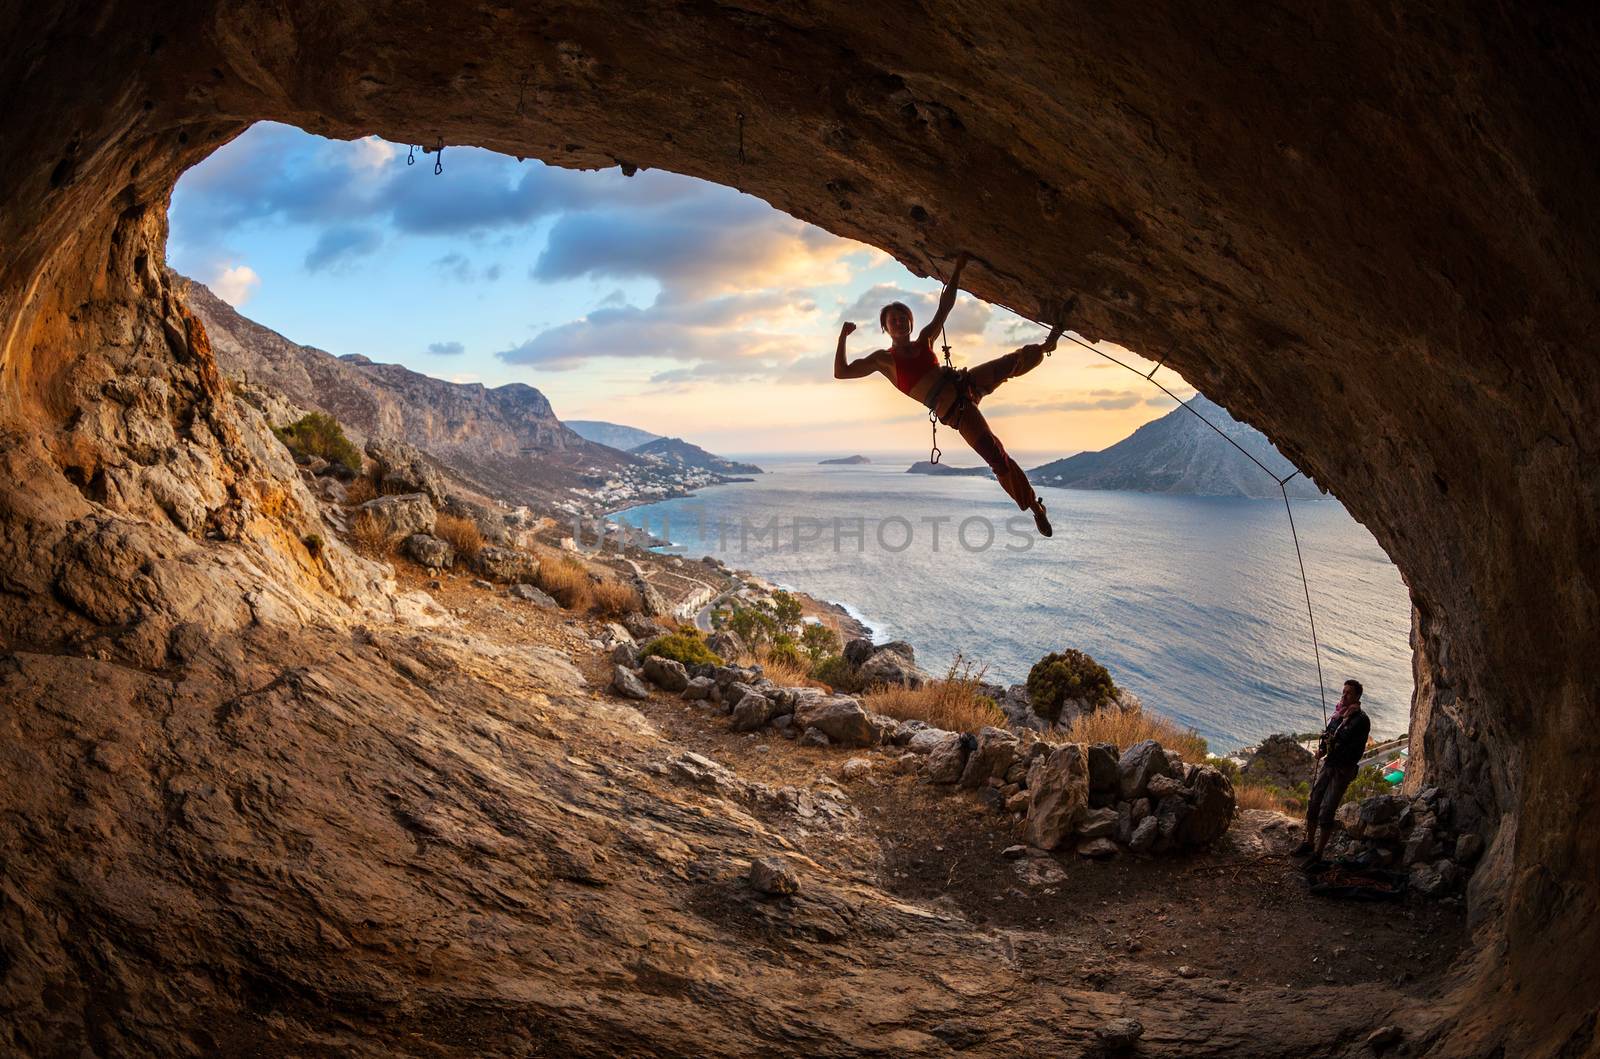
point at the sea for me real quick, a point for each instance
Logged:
(1193, 603)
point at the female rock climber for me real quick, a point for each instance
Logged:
(950, 394)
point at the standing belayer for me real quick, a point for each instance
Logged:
(1338, 760)
(952, 395)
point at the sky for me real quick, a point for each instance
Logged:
(659, 301)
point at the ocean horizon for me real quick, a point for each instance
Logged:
(1193, 603)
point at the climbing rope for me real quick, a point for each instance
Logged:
(1305, 583)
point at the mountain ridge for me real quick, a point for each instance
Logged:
(1179, 454)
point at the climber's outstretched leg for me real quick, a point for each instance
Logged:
(975, 431)
(986, 377)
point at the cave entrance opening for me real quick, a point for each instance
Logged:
(351, 245)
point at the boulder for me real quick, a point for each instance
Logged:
(1213, 803)
(1059, 797)
(1103, 774)
(530, 594)
(1421, 845)
(1144, 835)
(948, 759)
(625, 654)
(626, 682)
(402, 468)
(1120, 1035)
(1098, 823)
(1018, 708)
(1175, 765)
(925, 739)
(1098, 848)
(856, 768)
(402, 516)
(1138, 764)
(994, 755)
(1348, 816)
(1382, 809)
(771, 876)
(752, 711)
(651, 602)
(1164, 787)
(725, 643)
(1281, 762)
(1469, 847)
(858, 650)
(814, 737)
(505, 565)
(904, 730)
(839, 717)
(428, 551)
(642, 628)
(1435, 879)
(698, 688)
(887, 666)
(666, 673)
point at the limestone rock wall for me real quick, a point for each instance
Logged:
(1367, 230)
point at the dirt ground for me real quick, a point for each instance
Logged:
(1235, 918)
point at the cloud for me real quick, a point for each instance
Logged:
(729, 328)
(342, 243)
(1092, 401)
(712, 243)
(968, 319)
(235, 284)
(446, 349)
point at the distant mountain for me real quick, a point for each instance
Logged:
(505, 441)
(1179, 454)
(613, 434)
(924, 467)
(843, 461)
(675, 452)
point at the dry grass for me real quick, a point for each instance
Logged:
(360, 490)
(781, 671)
(369, 536)
(1127, 727)
(955, 703)
(1255, 796)
(567, 580)
(461, 534)
(612, 599)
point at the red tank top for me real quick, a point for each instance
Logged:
(910, 368)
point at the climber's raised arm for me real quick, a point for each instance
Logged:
(947, 300)
(870, 364)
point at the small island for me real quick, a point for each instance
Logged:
(843, 460)
(924, 467)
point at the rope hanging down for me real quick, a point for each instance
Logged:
(1305, 583)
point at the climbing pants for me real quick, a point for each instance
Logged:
(1327, 793)
(974, 385)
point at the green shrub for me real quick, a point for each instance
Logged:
(684, 646)
(319, 434)
(1368, 782)
(819, 642)
(314, 544)
(785, 651)
(1064, 675)
(836, 672)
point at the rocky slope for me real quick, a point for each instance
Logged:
(505, 441)
(1179, 454)
(616, 435)
(683, 455)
